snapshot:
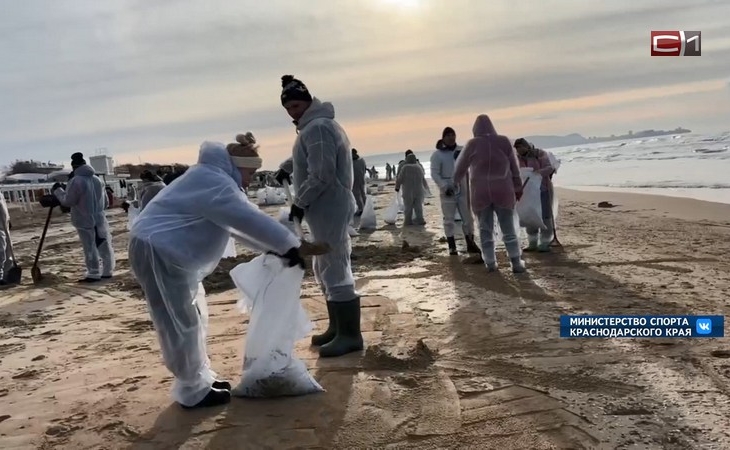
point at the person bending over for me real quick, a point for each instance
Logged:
(178, 240)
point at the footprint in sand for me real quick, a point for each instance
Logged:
(26, 374)
(139, 325)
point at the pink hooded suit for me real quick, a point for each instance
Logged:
(494, 174)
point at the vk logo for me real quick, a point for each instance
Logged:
(704, 326)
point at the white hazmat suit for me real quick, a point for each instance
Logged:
(412, 181)
(149, 190)
(86, 197)
(322, 172)
(177, 240)
(6, 262)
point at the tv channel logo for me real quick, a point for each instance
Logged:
(703, 326)
(676, 43)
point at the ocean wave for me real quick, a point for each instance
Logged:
(710, 150)
(718, 156)
(666, 185)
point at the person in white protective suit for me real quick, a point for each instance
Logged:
(454, 197)
(6, 245)
(358, 185)
(321, 167)
(87, 198)
(152, 184)
(413, 182)
(539, 161)
(178, 240)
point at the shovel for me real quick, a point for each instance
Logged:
(35, 271)
(307, 248)
(15, 273)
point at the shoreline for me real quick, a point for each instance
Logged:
(707, 195)
(665, 205)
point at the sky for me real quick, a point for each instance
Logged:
(148, 81)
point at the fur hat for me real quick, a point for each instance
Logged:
(245, 145)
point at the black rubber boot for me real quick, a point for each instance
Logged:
(471, 246)
(89, 280)
(327, 336)
(452, 246)
(348, 338)
(222, 385)
(215, 397)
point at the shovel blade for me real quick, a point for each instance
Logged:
(35, 273)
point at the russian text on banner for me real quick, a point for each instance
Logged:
(596, 326)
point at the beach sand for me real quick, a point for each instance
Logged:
(455, 358)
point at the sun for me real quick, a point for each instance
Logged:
(403, 4)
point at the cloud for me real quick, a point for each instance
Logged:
(166, 75)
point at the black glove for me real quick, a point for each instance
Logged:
(296, 212)
(282, 175)
(49, 201)
(449, 192)
(397, 189)
(293, 258)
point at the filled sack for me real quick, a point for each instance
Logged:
(270, 296)
(391, 214)
(368, 220)
(529, 208)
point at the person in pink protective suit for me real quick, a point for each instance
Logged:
(539, 161)
(496, 187)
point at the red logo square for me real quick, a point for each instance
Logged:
(666, 43)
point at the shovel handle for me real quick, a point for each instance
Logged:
(297, 225)
(43, 236)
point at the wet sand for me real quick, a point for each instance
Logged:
(455, 358)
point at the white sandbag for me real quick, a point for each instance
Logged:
(132, 215)
(457, 216)
(529, 208)
(368, 221)
(401, 203)
(270, 295)
(230, 251)
(391, 214)
(270, 196)
(352, 231)
(284, 220)
(428, 192)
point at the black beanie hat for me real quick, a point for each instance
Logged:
(409, 152)
(521, 142)
(293, 89)
(77, 159)
(447, 130)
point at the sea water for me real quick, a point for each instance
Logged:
(688, 165)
